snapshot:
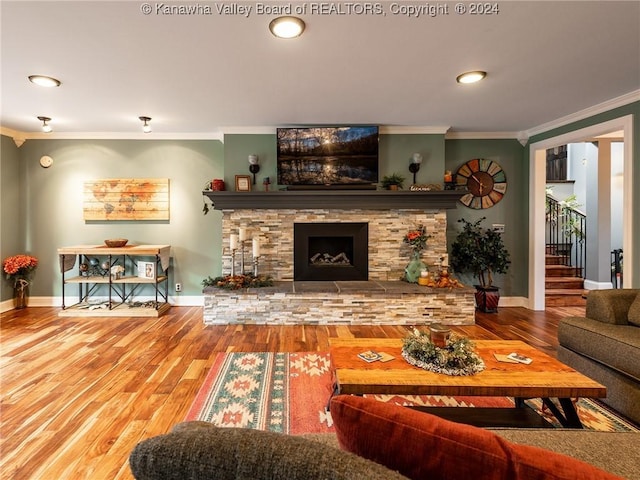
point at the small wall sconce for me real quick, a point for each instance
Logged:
(46, 128)
(146, 128)
(414, 166)
(254, 166)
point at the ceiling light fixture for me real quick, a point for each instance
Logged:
(44, 81)
(471, 77)
(287, 27)
(146, 128)
(46, 128)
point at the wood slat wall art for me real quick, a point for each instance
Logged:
(126, 199)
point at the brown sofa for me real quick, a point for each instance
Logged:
(605, 346)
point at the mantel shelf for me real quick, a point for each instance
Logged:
(335, 199)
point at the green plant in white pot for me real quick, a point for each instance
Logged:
(480, 251)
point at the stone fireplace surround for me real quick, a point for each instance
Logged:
(383, 299)
(387, 254)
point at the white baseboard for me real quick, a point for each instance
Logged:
(178, 301)
(6, 305)
(187, 301)
(513, 302)
(592, 285)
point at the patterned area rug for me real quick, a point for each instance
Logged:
(288, 393)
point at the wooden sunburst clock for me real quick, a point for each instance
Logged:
(485, 180)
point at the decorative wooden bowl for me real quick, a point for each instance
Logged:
(116, 242)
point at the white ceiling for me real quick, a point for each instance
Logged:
(204, 73)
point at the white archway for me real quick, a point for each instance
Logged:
(537, 182)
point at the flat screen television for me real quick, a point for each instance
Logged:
(331, 156)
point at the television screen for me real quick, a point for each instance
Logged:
(327, 155)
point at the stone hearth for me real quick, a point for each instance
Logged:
(354, 303)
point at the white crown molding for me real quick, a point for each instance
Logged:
(264, 130)
(410, 130)
(24, 136)
(617, 102)
(20, 137)
(383, 129)
(453, 135)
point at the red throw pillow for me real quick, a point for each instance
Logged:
(423, 446)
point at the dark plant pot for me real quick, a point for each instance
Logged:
(487, 299)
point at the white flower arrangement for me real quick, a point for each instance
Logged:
(116, 271)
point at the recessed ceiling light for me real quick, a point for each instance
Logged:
(44, 81)
(471, 77)
(287, 27)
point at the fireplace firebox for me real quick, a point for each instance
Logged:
(330, 251)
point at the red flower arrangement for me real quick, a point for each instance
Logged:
(20, 268)
(417, 239)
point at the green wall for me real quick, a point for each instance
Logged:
(237, 149)
(512, 210)
(396, 152)
(54, 203)
(12, 208)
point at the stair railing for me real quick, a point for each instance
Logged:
(566, 234)
(617, 277)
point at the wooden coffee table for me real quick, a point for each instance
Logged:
(544, 378)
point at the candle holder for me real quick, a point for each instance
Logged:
(439, 334)
(233, 262)
(242, 257)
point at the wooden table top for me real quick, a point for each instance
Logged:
(545, 377)
(104, 250)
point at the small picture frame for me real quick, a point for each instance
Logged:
(243, 183)
(147, 270)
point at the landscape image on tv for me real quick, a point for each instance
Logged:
(327, 155)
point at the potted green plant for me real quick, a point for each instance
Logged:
(393, 181)
(482, 252)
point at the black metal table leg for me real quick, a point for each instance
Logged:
(568, 416)
(334, 391)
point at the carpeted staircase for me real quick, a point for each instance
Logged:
(564, 287)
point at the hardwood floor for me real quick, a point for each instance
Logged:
(77, 394)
